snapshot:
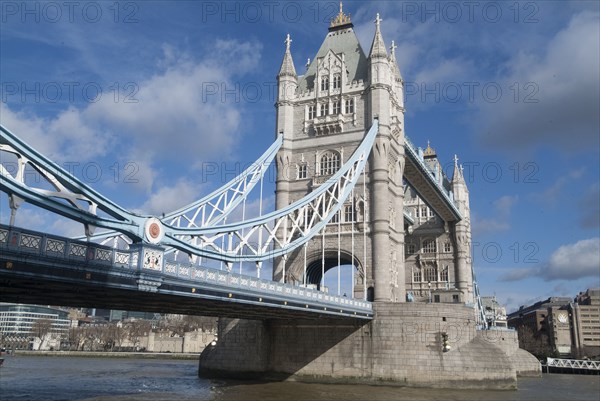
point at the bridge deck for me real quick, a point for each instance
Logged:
(43, 269)
(422, 180)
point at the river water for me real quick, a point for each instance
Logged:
(34, 378)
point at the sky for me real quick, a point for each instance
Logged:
(155, 104)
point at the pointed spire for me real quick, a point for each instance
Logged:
(457, 176)
(288, 42)
(378, 47)
(393, 48)
(287, 66)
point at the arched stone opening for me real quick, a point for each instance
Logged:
(319, 264)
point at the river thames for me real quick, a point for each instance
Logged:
(42, 378)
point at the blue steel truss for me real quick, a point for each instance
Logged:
(69, 193)
(215, 207)
(254, 240)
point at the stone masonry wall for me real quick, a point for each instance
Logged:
(525, 363)
(401, 346)
(242, 350)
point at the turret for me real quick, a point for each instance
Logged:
(379, 100)
(397, 81)
(378, 46)
(459, 188)
(462, 233)
(287, 80)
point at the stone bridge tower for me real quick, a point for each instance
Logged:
(323, 115)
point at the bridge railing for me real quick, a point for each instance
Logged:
(51, 246)
(261, 286)
(148, 258)
(573, 363)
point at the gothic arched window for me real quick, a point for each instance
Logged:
(337, 107)
(324, 83)
(417, 275)
(302, 171)
(444, 274)
(329, 163)
(324, 109)
(429, 246)
(349, 106)
(337, 81)
(430, 274)
(349, 213)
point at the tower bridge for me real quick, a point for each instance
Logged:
(361, 194)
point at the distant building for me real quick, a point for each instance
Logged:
(560, 326)
(122, 315)
(18, 320)
(495, 314)
(586, 322)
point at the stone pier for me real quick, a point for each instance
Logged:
(402, 345)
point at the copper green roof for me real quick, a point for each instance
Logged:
(339, 41)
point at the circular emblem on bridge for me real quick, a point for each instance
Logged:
(154, 230)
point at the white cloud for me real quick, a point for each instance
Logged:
(581, 259)
(64, 138)
(504, 204)
(170, 198)
(502, 208)
(568, 262)
(182, 114)
(175, 124)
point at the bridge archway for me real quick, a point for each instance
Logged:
(319, 264)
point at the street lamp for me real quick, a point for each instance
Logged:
(429, 285)
(445, 343)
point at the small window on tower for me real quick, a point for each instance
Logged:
(430, 274)
(349, 215)
(302, 171)
(336, 107)
(429, 246)
(444, 274)
(324, 83)
(329, 164)
(324, 109)
(447, 247)
(349, 106)
(417, 276)
(337, 81)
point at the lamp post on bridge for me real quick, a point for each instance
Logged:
(429, 285)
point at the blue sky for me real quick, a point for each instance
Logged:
(145, 100)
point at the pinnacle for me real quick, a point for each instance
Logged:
(378, 48)
(287, 65)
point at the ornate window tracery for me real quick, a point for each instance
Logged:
(329, 163)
